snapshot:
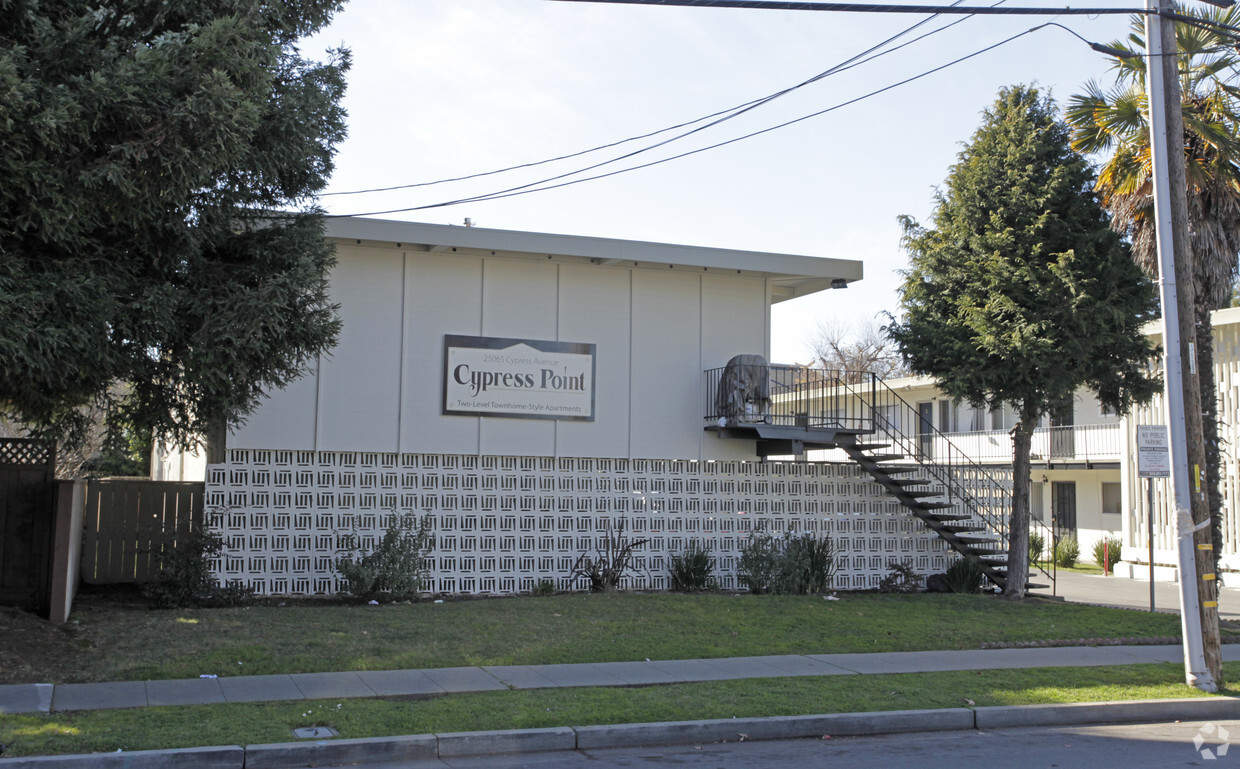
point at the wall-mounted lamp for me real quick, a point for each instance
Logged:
(839, 283)
(1044, 479)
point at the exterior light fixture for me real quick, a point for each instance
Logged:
(839, 283)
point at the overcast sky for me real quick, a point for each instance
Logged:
(447, 88)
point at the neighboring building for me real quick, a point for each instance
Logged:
(1226, 332)
(529, 393)
(1083, 470)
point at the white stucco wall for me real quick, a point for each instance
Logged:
(656, 329)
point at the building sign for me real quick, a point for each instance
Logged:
(532, 379)
(1153, 452)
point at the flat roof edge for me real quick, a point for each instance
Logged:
(606, 249)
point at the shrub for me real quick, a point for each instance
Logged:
(543, 586)
(788, 564)
(1037, 546)
(901, 579)
(965, 575)
(1107, 549)
(760, 563)
(606, 567)
(809, 565)
(185, 578)
(693, 570)
(1067, 550)
(397, 568)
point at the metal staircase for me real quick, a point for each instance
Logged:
(868, 423)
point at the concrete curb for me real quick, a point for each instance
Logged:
(1193, 709)
(457, 744)
(286, 755)
(776, 728)
(322, 753)
(224, 757)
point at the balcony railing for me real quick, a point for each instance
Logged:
(1073, 443)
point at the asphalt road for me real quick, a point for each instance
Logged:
(1134, 746)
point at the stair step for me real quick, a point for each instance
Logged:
(920, 494)
(910, 481)
(882, 457)
(869, 446)
(974, 539)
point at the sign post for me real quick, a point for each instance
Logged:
(1153, 461)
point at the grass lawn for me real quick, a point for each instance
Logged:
(241, 724)
(111, 640)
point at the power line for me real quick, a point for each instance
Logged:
(727, 114)
(532, 187)
(788, 5)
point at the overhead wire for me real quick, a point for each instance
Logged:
(722, 115)
(543, 185)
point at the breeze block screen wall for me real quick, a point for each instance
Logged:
(504, 523)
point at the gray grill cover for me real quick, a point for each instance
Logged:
(745, 378)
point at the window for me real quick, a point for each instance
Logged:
(996, 418)
(947, 417)
(1111, 499)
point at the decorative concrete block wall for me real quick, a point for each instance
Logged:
(502, 524)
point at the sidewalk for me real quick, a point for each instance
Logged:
(46, 698)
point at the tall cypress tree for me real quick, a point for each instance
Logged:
(1020, 292)
(157, 219)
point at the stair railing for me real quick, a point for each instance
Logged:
(964, 481)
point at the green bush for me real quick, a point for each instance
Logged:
(809, 565)
(901, 579)
(1107, 548)
(693, 571)
(965, 575)
(397, 568)
(1037, 546)
(1067, 551)
(543, 586)
(606, 568)
(788, 564)
(185, 578)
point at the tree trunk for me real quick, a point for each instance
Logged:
(1018, 525)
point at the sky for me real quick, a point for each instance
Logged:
(446, 88)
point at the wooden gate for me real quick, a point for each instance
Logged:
(27, 521)
(129, 524)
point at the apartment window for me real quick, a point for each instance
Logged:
(889, 416)
(996, 418)
(947, 417)
(977, 419)
(1111, 499)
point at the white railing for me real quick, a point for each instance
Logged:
(1076, 443)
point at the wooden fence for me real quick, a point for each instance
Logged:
(129, 524)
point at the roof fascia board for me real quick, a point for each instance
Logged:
(806, 271)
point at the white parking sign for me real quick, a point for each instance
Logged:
(1153, 452)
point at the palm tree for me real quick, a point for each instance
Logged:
(1116, 121)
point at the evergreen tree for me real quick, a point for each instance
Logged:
(157, 222)
(1021, 292)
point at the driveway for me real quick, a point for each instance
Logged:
(1132, 593)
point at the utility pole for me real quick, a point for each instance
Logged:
(1198, 583)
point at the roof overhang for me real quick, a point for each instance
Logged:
(790, 275)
